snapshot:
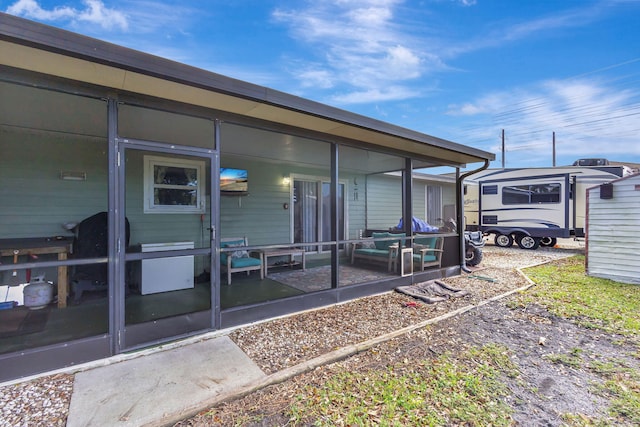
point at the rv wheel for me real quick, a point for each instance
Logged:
(548, 242)
(527, 242)
(503, 240)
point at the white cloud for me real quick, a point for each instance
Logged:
(589, 118)
(94, 12)
(317, 78)
(365, 45)
(362, 49)
(376, 94)
(542, 26)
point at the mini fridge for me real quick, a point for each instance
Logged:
(166, 274)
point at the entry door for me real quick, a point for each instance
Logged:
(168, 210)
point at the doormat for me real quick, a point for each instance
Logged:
(22, 321)
(432, 291)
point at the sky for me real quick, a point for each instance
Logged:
(461, 70)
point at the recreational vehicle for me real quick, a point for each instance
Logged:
(533, 206)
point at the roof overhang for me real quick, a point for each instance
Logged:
(39, 48)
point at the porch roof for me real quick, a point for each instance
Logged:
(40, 48)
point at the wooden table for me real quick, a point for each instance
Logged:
(290, 252)
(40, 246)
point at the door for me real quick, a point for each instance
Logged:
(168, 257)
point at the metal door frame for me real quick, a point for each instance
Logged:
(126, 338)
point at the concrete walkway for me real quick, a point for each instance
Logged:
(143, 390)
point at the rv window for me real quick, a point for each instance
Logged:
(489, 189)
(531, 194)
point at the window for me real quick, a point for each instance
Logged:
(173, 185)
(489, 189)
(531, 194)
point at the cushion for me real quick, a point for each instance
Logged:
(238, 254)
(427, 257)
(367, 244)
(428, 242)
(384, 245)
(372, 252)
(244, 262)
(226, 244)
(381, 245)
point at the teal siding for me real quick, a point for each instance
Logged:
(384, 201)
(34, 201)
(260, 216)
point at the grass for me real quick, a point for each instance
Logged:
(461, 390)
(566, 291)
(465, 388)
(468, 387)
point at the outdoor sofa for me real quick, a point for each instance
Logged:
(378, 251)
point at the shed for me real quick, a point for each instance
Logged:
(613, 220)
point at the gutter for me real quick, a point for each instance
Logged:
(460, 196)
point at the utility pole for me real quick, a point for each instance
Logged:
(554, 149)
(503, 150)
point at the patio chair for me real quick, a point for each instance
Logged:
(239, 260)
(427, 252)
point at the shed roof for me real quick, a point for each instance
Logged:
(40, 48)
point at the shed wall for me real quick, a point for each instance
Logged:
(613, 224)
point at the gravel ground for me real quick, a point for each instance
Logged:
(285, 342)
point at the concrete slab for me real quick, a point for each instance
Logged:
(141, 390)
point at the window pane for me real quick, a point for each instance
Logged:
(531, 194)
(175, 176)
(173, 197)
(173, 185)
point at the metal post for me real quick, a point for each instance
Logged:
(554, 149)
(335, 262)
(503, 149)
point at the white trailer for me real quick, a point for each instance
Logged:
(533, 206)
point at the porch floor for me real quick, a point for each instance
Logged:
(90, 316)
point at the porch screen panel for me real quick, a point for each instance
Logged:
(162, 126)
(53, 179)
(373, 206)
(279, 214)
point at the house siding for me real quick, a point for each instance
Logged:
(613, 224)
(384, 194)
(385, 200)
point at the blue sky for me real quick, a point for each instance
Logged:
(461, 70)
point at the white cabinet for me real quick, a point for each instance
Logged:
(166, 274)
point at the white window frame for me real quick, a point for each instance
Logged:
(150, 207)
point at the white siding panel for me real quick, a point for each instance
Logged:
(614, 247)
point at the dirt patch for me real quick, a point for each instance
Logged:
(554, 357)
